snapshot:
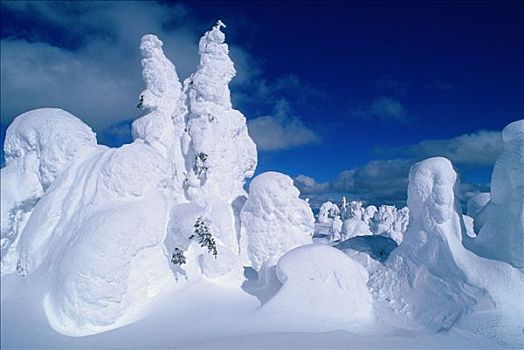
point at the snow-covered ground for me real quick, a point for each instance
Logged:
(156, 244)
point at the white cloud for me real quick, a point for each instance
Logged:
(276, 133)
(480, 148)
(308, 184)
(281, 130)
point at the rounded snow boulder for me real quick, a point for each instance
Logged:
(322, 283)
(54, 135)
(39, 146)
(354, 227)
(274, 219)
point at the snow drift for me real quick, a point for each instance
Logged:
(322, 283)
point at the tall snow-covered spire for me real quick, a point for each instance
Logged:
(163, 127)
(220, 154)
(162, 96)
(215, 71)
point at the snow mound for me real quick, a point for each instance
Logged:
(54, 136)
(501, 234)
(355, 227)
(97, 233)
(40, 145)
(274, 219)
(322, 283)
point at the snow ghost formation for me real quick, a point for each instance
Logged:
(274, 219)
(100, 222)
(220, 152)
(501, 228)
(422, 280)
(431, 279)
(39, 146)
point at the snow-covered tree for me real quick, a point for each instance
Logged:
(163, 126)
(214, 128)
(328, 211)
(274, 219)
(203, 234)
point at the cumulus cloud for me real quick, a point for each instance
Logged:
(480, 148)
(308, 184)
(281, 130)
(384, 109)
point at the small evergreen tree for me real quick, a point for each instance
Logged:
(178, 257)
(205, 239)
(140, 102)
(200, 167)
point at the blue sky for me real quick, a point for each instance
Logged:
(343, 96)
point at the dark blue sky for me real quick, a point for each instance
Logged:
(349, 82)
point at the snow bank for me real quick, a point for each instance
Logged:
(501, 235)
(323, 284)
(274, 219)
